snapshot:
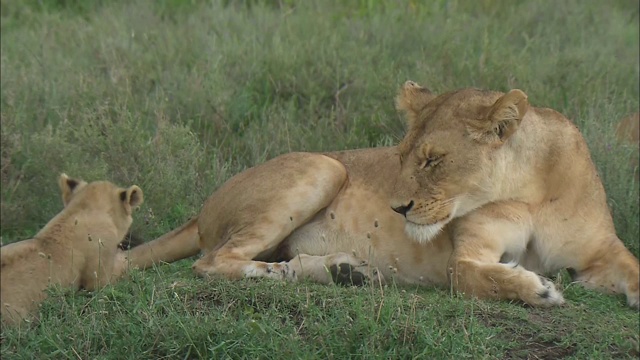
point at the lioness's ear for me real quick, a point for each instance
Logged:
(132, 198)
(68, 186)
(503, 118)
(411, 99)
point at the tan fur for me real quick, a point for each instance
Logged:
(78, 248)
(512, 183)
(172, 246)
(300, 215)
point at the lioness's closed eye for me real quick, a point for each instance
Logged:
(481, 194)
(513, 182)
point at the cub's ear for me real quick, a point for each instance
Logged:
(503, 118)
(132, 198)
(68, 187)
(411, 99)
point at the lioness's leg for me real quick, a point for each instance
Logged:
(247, 218)
(480, 241)
(585, 242)
(609, 267)
(601, 262)
(339, 268)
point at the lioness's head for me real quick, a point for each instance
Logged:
(101, 198)
(447, 153)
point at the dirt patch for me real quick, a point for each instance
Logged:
(540, 350)
(535, 336)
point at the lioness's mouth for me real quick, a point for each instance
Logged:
(438, 222)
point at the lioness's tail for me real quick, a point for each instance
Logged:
(173, 246)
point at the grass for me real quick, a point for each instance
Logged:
(167, 313)
(176, 96)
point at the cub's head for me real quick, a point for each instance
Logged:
(102, 199)
(447, 153)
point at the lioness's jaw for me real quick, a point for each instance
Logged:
(423, 233)
(502, 120)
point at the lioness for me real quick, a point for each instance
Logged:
(520, 191)
(78, 248)
(328, 217)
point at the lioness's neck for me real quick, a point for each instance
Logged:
(531, 159)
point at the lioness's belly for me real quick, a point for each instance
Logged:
(360, 221)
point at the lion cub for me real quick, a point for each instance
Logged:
(78, 248)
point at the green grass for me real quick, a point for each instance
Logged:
(176, 96)
(166, 312)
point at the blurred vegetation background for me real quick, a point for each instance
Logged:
(178, 95)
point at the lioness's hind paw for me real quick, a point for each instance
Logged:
(347, 275)
(633, 300)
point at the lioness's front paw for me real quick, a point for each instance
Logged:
(544, 295)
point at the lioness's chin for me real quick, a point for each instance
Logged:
(423, 233)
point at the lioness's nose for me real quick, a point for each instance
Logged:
(403, 209)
